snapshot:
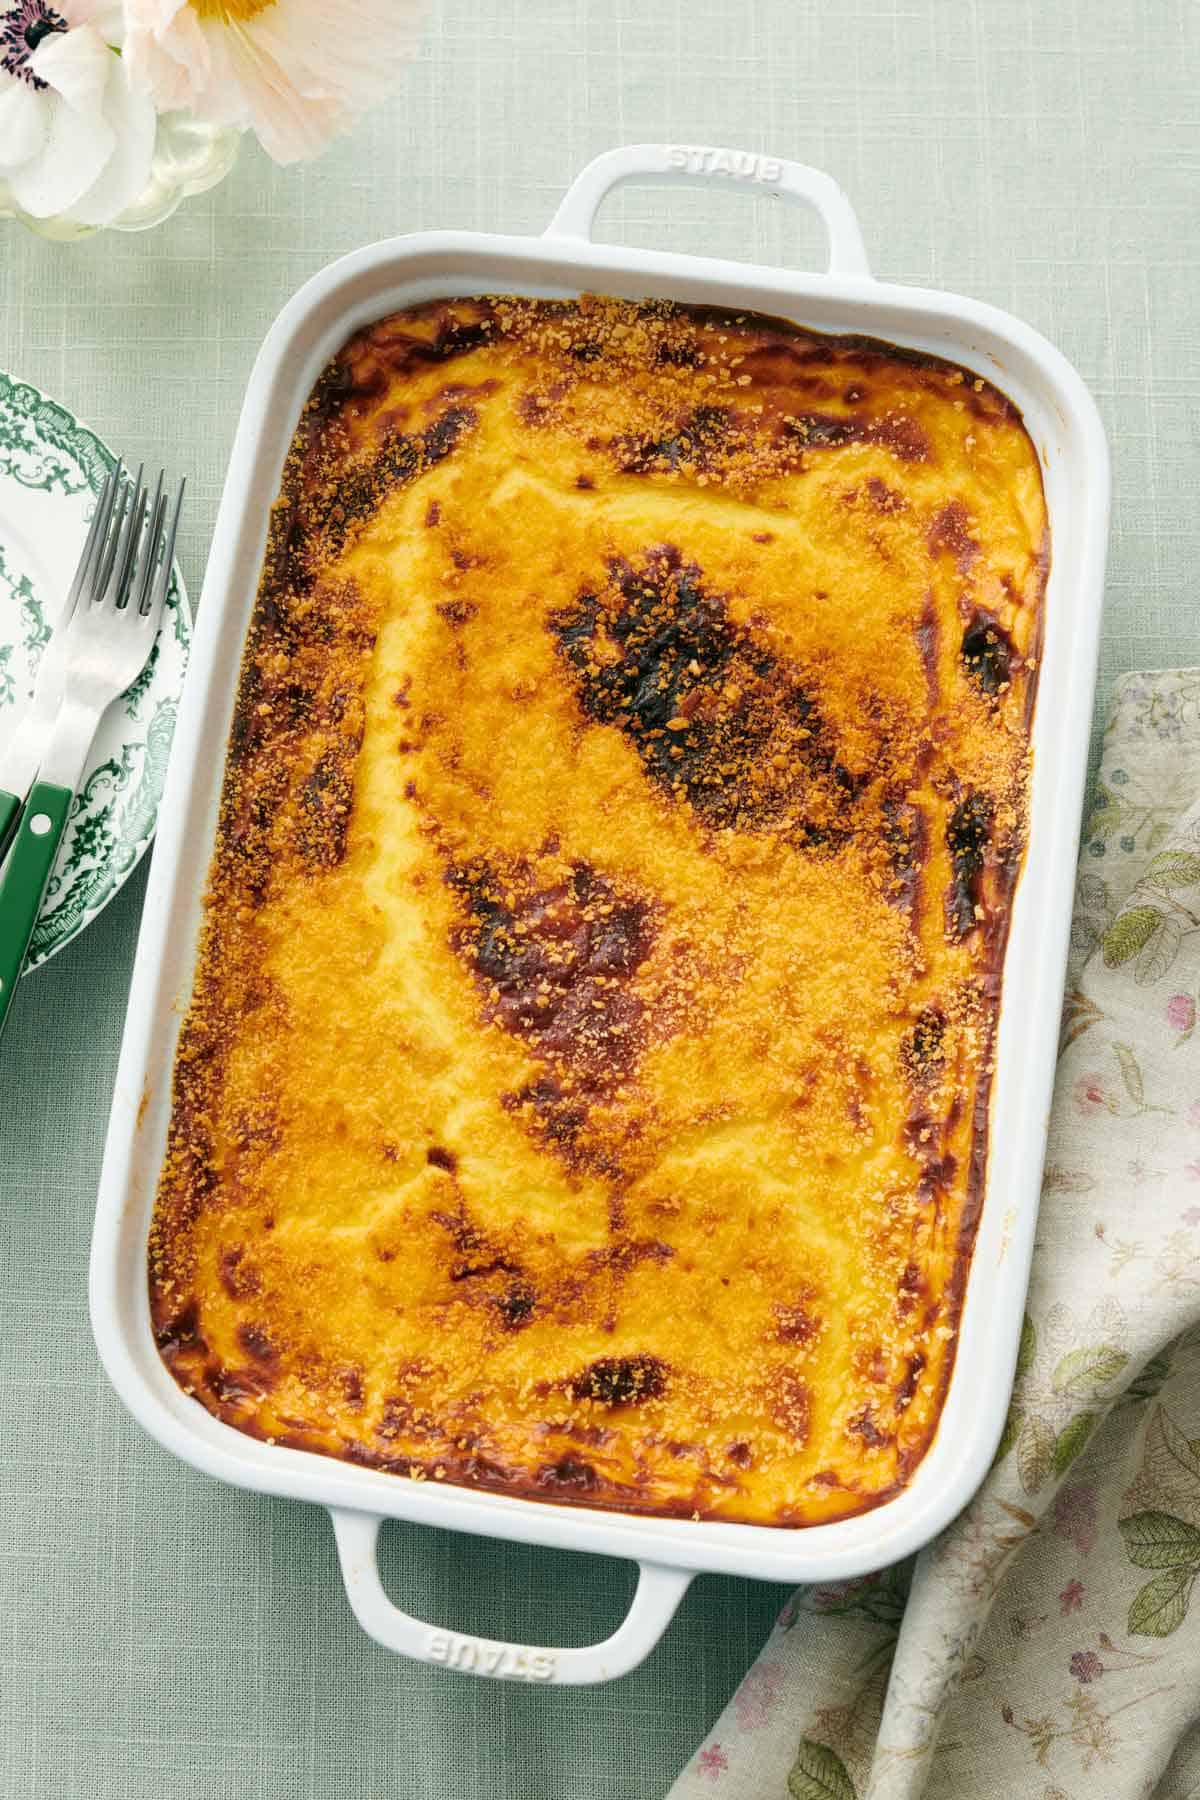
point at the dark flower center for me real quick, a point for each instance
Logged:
(22, 28)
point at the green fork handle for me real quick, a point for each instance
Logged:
(23, 882)
(10, 806)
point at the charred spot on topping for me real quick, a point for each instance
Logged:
(921, 1051)
(626, 1255)
(584, 482)
(515, 1305)
(925, 1138)
(458, 336)
(883, 498)
(433, 512)
(865, 1426)
(905, 839)
(181, 1334)
(234, 1386)
(908, 1387)
(560, 1118)
(903, 436)
(534, 409)
(478, 1258)
(928, 636)
(967, 835)
(937, 1176)
(620, 1381)
(950, 534)
(457, 613)
(896, 432)
(362, 489)
(437, 1158)
(568, 1473)
(351, 1382)
(444, 434)
(554, 966)
(716, 718)
(790, 1402)
(699, 441)
(740, 1454)
(678, 353)
(326, 800)
(822, 431)
(796, 1324)
(763, 537)
(402, 1417)
(465, 1235)
(256, 1343)
(239, 1278)
(911, 1286)
(987, 652)
(870, 1364)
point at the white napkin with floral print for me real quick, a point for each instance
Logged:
(1045, 1647)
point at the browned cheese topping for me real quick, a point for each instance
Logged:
(584, 1093)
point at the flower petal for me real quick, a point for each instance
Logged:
(295, 73)
(79, 140)
(106, 17)
(125, 175)
(23, 123)
(168, 55)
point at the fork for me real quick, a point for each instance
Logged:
(107, 643)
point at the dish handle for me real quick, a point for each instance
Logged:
(658, 1593)
(702, 165)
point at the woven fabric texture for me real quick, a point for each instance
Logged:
(162, 1638)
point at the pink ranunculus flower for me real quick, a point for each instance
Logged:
(1181, 1012)
(1091, 1095)
(295, 72)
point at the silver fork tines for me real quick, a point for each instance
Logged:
(124, 591)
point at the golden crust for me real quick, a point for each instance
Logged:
(584, 1092)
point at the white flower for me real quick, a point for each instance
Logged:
(295, 72)
(76, 139)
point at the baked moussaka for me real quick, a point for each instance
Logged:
(584, 1091)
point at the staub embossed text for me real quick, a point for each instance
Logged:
(480, 1657)
(743, 164)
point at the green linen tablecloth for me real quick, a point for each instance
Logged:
(166, 1638)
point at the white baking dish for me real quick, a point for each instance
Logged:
(1066, 429)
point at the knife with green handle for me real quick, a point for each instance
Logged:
(10, 806)
(26, 874)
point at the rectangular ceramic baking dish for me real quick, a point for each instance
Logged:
(1066, 429)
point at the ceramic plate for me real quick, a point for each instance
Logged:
(51, 469)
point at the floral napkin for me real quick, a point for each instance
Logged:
(1045, 1647)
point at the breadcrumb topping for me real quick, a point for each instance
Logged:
(584, 1090)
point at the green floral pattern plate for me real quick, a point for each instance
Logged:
(51, 469)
